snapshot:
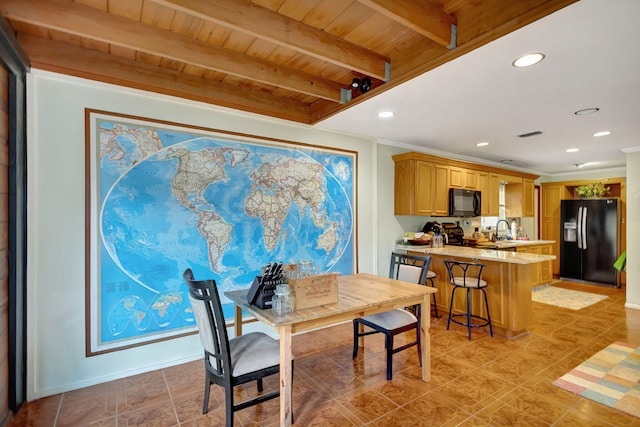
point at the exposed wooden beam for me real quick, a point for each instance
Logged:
(85, 21)
(90, 64)
(265, 24)
(420, 15)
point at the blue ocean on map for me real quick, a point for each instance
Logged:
(222, 208)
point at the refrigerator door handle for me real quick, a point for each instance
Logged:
(584, 228)
(580, 227)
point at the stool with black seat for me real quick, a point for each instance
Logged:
(408, 268)
(468, 275)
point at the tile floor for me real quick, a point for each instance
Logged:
(483, 382)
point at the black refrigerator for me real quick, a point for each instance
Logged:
(589, 240)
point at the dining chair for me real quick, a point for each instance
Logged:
(408, 268)
(230, 362)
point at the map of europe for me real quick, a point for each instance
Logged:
(171, 198)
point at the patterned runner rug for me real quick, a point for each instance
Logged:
(566, 298)
(610, 377)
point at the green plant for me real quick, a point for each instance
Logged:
(594, 189)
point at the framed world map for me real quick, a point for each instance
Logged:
(163, 197)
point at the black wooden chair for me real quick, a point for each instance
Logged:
(408, 268)
(230, 362)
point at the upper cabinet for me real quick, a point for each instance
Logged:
(422, 183)
(463, 178)
(489, 186)
(421, 188)
(518, 198)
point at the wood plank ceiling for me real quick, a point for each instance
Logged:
(291, 59)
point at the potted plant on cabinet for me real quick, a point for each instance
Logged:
(592, 190)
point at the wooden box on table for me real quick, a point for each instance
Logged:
(313, 291)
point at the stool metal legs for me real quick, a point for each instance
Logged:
(469, 324)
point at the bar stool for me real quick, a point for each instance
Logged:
(467, 275)
(430, 276)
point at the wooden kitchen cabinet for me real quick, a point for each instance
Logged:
(463, 178)
(441, 190)
(541, 272)
(489, 187)
(422, 183)
(421, 188)
(546, 273)
(456, 177)
(518, 199)
(552, 194)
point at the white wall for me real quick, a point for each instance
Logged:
(56, 359)
(633, 230)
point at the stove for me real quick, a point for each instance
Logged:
(455, 233)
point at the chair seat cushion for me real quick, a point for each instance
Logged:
(253, 352)
(431, 274)
(391, 319)
(409, 273)
(471, 282)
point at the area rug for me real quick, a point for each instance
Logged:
(565, 298)
(610, 377)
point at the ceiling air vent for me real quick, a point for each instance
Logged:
(527, 135)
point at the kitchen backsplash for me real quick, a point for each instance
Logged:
(416, 223)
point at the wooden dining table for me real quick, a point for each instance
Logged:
(358, 295)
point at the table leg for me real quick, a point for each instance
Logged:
(425, 337)
(237, 319)
(286, 375)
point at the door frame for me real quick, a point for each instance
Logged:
(16, 63)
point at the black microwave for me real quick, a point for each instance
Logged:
(464, 202)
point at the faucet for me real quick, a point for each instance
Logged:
(498, 224)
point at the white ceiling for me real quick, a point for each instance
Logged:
(592, 59)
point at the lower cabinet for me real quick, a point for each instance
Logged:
(508, 291)
(541, 273)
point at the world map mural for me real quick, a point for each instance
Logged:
(165, 198)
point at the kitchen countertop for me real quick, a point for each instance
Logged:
(483, 254)
(504, 244)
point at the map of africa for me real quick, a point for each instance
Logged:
(172, 199)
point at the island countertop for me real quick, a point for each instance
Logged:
(479, 254)
(509, 274)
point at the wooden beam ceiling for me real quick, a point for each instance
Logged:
(421, 16)
(85, 21)
(289, 59)
(285, 32)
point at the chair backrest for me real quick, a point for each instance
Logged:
(207, 309)
(469, 272)
(409, 268)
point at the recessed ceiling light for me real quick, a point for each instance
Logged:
(586, 111)
(506, 161)
(580, 165)
(482, 144)
(528, 60)
(572, 150)
(386, 114)
(603, 133)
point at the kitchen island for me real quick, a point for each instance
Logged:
(509, 275)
